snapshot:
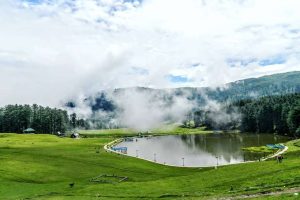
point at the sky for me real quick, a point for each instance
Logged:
(51, 50)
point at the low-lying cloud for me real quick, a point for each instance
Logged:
(138, 108)
(144, 110)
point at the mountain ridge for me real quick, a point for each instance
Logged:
(275, 84)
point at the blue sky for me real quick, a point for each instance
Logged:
(273, 61)
(35, 1)
(276, 60)
(178, 79)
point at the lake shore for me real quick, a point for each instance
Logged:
(109, 147)
(124, 132)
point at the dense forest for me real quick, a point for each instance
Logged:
(271, 114)
(17, 118)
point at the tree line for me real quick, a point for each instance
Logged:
(271, 114)
(17, 118)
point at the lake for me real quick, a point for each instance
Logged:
(199, 150)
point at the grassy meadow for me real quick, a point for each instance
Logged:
(123, 132)
(49, 167)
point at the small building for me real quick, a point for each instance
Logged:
(59, 134)
(74, 135)
(29, 130)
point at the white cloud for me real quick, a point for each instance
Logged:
(144, 110)
(55, 49)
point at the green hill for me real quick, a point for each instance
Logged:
(276, 84)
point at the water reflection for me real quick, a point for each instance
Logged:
(199, 150)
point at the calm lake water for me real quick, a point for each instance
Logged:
(199, 150)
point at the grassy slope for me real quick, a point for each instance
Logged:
(262, 149)
(167, 130)
(43, 166)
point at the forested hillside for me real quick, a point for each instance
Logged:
(272, 114)
(268, 104)
(107, 103)
(276, 84)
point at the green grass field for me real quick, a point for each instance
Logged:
(262, 149)
(123, 132)
(44, 166)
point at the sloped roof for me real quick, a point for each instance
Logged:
(29, 130)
